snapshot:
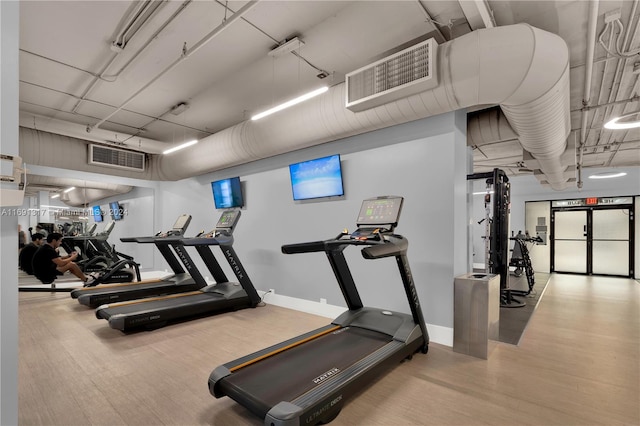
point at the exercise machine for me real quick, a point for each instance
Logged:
(211, 299)
(307, 379)
(108, 289)
(95, 253)
(497, 232)
(521, 261)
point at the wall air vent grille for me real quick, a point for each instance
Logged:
(119, 158)
(402, 74)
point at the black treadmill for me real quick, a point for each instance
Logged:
(306, 380)
(180, 281)
(223, 296)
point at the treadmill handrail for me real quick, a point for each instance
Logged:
(383, 246)
(218, 240)
(310, 247)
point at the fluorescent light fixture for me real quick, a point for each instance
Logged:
(55, 196)
(69, 189)
(482, 193)
(291, 103)
(607, 175)
(616, 125)
(179, 147)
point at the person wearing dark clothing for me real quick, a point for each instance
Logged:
(26, 254)
(22, 238)
(47, 262)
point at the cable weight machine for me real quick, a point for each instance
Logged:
(498, 209)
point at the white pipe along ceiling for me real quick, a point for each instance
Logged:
(523, 69)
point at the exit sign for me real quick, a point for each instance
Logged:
(591, 201)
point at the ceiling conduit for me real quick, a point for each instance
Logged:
(523, 69)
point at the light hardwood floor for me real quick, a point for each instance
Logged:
(577, 364)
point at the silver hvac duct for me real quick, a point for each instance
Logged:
(523, 69)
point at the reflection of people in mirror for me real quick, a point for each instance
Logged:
(48, 264)
(22, 238)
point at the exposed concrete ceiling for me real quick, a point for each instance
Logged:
(80, 67)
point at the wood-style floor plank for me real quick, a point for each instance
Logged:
(577, 364)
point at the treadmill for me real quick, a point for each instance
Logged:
(179, 282)
(222, 296)
(307, 379)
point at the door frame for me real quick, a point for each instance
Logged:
(589, 234)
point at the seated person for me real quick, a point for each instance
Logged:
(47, 262)
(26, 255)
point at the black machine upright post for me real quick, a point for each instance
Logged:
(238, 270)
(188, 263)
(212, 264)
(412, 296)
(170, 258)
(345, 279)
(398, 249)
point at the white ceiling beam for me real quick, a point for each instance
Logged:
(478, 14)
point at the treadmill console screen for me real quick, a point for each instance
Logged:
(380, 211)
(181, 224)
(228, 219)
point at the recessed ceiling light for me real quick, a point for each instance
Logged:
(607, 175)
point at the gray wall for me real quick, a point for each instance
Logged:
(424, 161)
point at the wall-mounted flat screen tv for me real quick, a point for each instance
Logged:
(227, 193)
(97, 214)
(317, 178)
(116, 210)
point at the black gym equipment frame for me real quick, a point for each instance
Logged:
(155, 312)
(521, 260)
(307, 379)
(498, 261)
(112, 289)
(96, 254)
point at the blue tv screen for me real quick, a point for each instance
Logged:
(116, 210)
(227, 193)
(97, 214)
(317, 178)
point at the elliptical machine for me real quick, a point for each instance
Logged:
(101, 260)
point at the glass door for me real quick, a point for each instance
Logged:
(570, 241)
(610, 231)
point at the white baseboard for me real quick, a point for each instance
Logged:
(437, 334)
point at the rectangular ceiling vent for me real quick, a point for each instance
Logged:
(119, 158)
(410, 71)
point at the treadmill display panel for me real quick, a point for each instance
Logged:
(380, 211)
(228, 219)
(182, 223)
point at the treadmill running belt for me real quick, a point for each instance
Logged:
(293, 372)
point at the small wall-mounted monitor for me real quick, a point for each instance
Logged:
(317, 178)
(227, 193)
(97, 214)
(116, 210)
